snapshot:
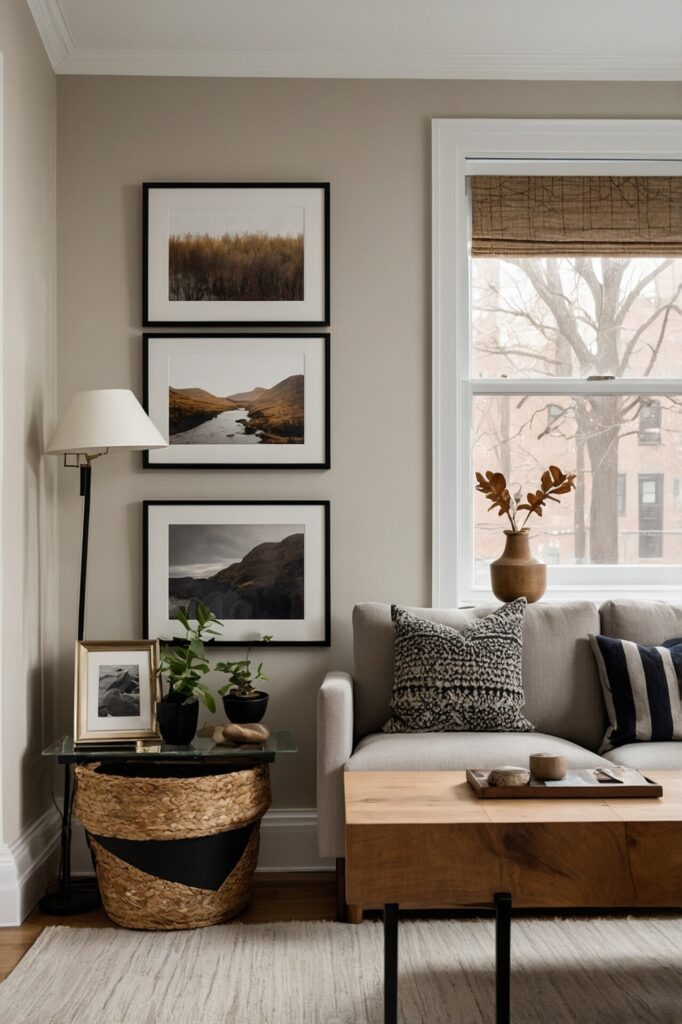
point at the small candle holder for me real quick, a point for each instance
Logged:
(548, 767)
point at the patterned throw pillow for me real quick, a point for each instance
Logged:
(641, 687)
(449, 680)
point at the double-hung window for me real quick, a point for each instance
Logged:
(557, 265)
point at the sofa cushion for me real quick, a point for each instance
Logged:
(645, 622)
(648, 756)
(451, 680)
(560, 680)
(641, 692)
(455, 751)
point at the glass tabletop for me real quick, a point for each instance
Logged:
(281, 742)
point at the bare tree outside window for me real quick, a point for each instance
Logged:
(579, 317)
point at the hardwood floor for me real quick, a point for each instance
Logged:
(275, 897)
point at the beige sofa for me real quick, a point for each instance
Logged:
(563, 701)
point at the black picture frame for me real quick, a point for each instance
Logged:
(148, 339)
(323, 504)
(148, 321)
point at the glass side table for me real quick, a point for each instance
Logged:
(71, 897)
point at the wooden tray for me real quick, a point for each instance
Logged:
(582, 784)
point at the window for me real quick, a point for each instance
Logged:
(621, 494)
(554, 414)
(650, 422)
(651, 515)
(561, 338)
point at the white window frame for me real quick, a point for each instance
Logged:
(460, 148)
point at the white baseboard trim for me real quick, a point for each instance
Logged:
(288, 842)
(27, 865)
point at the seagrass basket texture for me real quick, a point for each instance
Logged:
(172, 851)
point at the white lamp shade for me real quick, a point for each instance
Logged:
(109, 418)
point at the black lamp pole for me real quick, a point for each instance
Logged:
(86, 484)
(70, 897)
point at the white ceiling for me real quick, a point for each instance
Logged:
(540, 39)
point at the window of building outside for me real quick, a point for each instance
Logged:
(651, 515)
(554, 413)
(574, 312)
(650, 422)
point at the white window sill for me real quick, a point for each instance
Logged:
(672, 595)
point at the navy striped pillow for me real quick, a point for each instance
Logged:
(641, 687)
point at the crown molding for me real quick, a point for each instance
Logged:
(68, 59)
(53, 29)
(352, 64)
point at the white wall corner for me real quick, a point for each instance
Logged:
(53, 29)
(26, 866)
(288, 842)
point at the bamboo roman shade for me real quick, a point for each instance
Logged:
(576, 216)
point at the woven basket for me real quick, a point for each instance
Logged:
(172, 851)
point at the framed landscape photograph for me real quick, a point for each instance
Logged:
(262, 567)
(235, 254)
(115, 691)
(238, 401)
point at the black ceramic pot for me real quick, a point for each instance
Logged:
(241, 710)
(177, 721)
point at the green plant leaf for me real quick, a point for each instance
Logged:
(203, 694)
(197, 648)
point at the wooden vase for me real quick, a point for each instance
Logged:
(517, 573)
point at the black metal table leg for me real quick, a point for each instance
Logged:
(503, 903)
(65, 849)
(391, 963)
(69, 898)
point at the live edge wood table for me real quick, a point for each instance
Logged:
(424, 840)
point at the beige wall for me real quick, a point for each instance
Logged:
(371, 140)
(29, 559)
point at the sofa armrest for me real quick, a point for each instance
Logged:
(334, 747)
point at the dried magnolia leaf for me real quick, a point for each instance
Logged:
(494, 486)
(552, 482)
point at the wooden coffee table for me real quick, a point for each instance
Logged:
(424, 840)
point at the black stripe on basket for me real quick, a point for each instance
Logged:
(203, 862)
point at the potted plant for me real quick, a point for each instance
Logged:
(242, 701)
(184, 666)
(517, 573)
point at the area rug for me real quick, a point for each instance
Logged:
(577, 971)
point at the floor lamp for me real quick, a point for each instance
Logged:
(95, 423)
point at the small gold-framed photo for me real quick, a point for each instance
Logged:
(115, 691)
